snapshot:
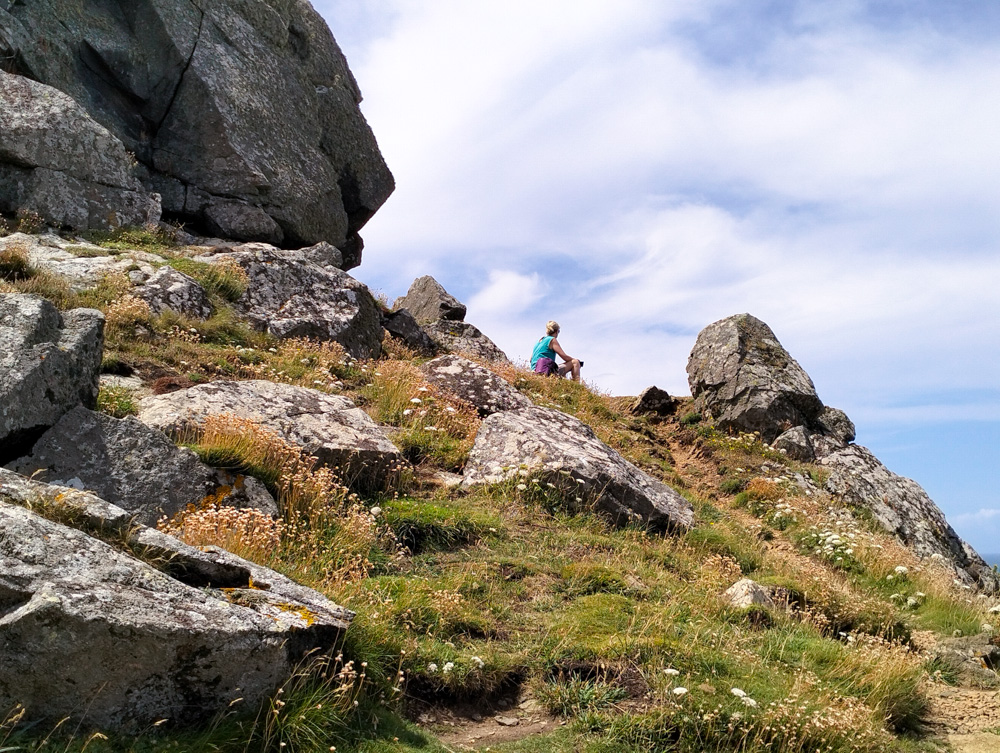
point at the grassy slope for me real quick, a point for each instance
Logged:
(476, 597)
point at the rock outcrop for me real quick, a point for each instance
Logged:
(656, 401)
(330, 427)
(50, 363)
(70, 602)
(797, 444)
(83, 265)
(289, 295)
(474, 384)
(170, 290)
(243, 116)
(746, 593)
(561, 450)
(401, 325)
(741, 375)
(428, 301)
(135, 467)
(903, 508)
(58, 162)
(462, 337)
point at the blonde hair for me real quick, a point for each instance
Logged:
(552, 328)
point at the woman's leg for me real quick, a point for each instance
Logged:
(574, 366)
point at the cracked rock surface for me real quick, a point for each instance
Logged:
(243, 116)
(560, 450)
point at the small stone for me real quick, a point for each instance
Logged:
(507, 721)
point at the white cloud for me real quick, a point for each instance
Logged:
(638, 169)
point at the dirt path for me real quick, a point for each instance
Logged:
(462, 730)
(968, 719)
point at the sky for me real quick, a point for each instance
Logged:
(638, 169)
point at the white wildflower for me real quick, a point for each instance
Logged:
(738, 693)
(679, 691)
(432, 667)
(448, 667)
(671, 672)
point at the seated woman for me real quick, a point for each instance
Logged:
(543, 358)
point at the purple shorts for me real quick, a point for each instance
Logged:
(546, 366)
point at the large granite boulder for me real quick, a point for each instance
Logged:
(167, 289)
(428, 302)
(91, 633)
(474, 384)
(741, 375)
(83, 265)
(59, 162)
(903, 508)
(242, 115)
(50, 363)
(330, 427)
(135, 467)
(289, 295)
(561, 450)
(462, 337)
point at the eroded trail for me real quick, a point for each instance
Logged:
(967, 718)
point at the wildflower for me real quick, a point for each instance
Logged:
(901, 570)
(738, 693)
(407, 412)
(748, 701)
(679, 691)
(671, 672)
(416, 400)
(448, 667)
(522, 487)
(478, 662)
(432, 667)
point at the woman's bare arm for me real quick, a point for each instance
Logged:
(559, 351)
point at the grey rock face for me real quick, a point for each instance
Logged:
(564, 451)
(82, 265)
(74, 606)
(428, 302)
(168, 289)
(401, 325)
(747, 593)
(135, 467)
(835, 424)
(655, 400)
(903, 508)
(476, 385)
(59, 162)
(50, 363)
(290, 296)
(797, 444)
(741, 375)
(330, 427)
(243, 115)
(462, 337)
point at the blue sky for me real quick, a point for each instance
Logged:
(638, 169)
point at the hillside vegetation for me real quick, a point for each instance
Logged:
(514, 602)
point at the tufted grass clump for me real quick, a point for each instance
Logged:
(116, 401)
(435, 428)
(15, 265)
(149, 238)
(574, 696)
(224, 278)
